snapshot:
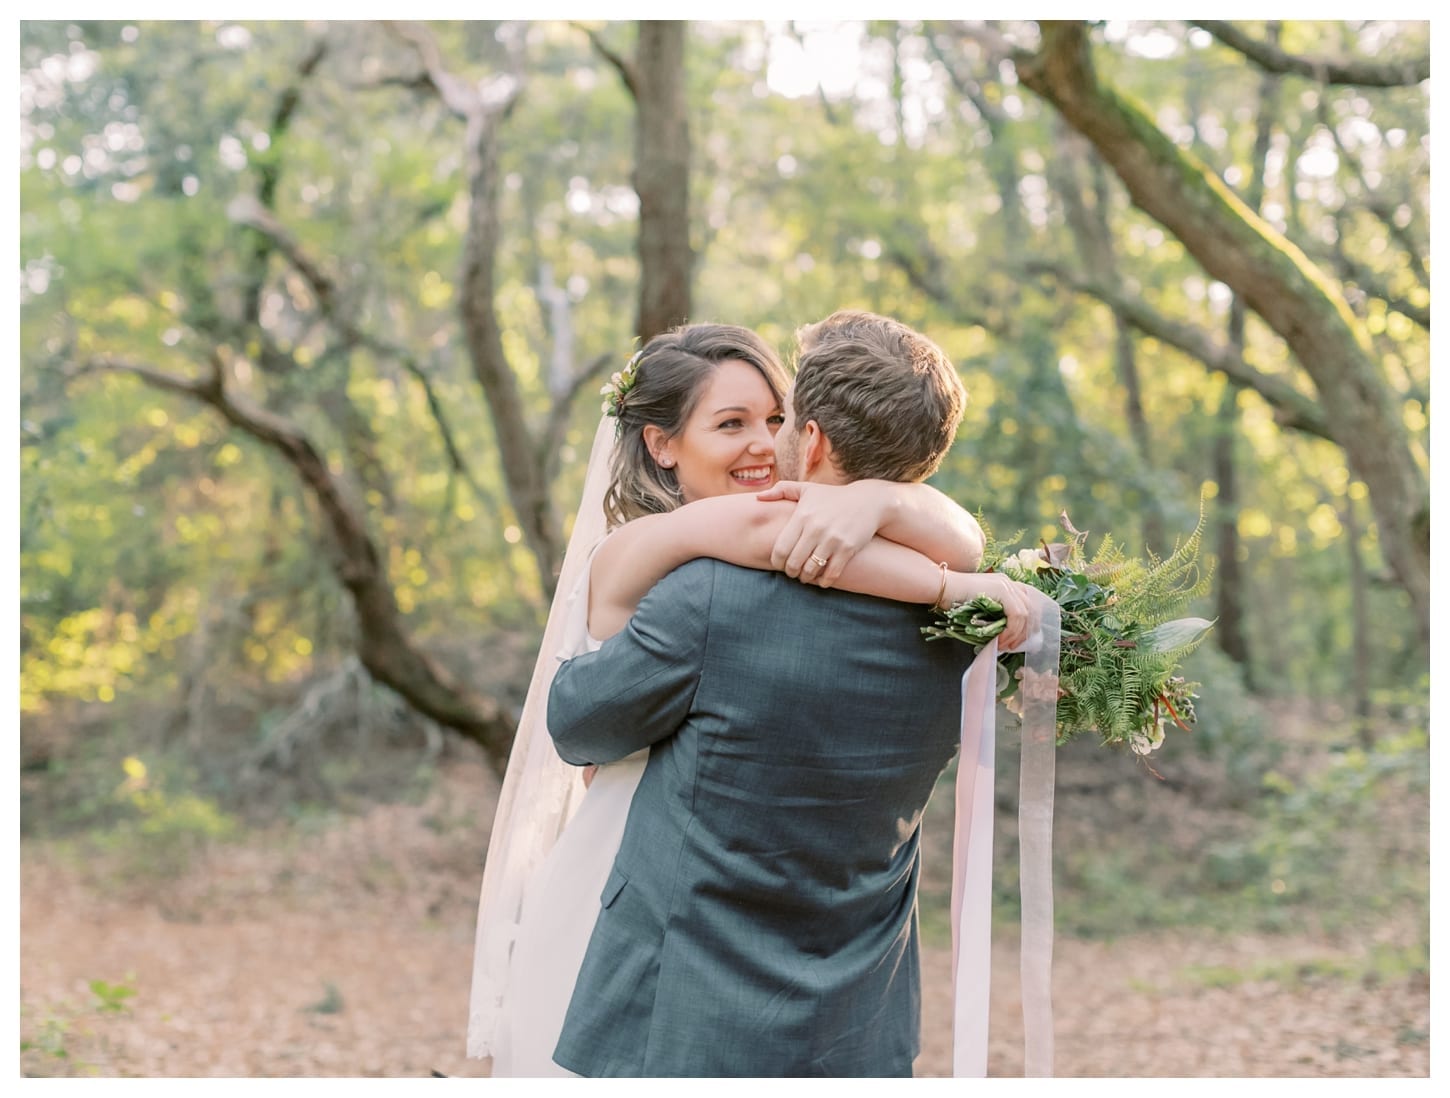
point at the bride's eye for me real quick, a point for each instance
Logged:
(776, 420)
(732, 423)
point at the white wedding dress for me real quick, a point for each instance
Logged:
(560, 907)
(553, 842)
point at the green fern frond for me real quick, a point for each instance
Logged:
(1113, 681)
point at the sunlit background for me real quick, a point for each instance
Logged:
(293, 201)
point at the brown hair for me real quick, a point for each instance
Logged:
(886, 397)
(670, 373)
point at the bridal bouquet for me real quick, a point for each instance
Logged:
(1121, 641)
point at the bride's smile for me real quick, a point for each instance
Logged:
(756, 477)
(728, 442)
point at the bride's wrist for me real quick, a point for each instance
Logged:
(965, 586)
(960, 587)
(941, 602)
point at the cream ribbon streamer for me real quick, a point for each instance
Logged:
(972, 851)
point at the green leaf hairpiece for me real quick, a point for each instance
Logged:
(618, 387)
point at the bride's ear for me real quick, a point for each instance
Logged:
(658, 445)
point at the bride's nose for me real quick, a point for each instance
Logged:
(762, 442)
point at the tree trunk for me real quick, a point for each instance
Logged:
(1360, 649)
(1091, 231)
(1232, 633)
(662, 177)
(1272, 277)
(1229, 588)
(527, 489)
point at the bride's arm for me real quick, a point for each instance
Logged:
(643, 551)
(743, 530)
(832, 522)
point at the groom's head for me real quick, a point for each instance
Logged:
(872, 399)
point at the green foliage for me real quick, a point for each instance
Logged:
(1229, 724)
(58, 1043)
(330, 1003)
(1343, 847)
(111, 998)
(155, 541)
(160, 830)
(50, 1039)
(1121, 639)
(1329, 824)
(1383, 963)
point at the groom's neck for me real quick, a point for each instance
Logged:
(826, 473)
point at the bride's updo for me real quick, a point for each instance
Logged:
(668, 375)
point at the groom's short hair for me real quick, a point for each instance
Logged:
(887, 398)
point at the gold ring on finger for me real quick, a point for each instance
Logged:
(818, 561)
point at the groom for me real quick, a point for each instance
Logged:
(760, 919)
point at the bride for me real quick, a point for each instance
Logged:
(687, 444)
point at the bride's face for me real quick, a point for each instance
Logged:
(728, 443)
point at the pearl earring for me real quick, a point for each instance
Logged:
(667, 463)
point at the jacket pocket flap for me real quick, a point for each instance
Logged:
(612, 887)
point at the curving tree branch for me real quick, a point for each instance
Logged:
(456, 462)
(1348, 269)
(970, 88)
(457, 94)
(384, 645)
(926, 271)
(330, 302)
(626, 69)
(1292, 408)
(1326, 70)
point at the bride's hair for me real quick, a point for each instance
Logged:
(670, 372)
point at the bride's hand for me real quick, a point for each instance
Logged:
(830, 523)
(1017, 601)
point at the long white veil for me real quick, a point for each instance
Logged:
(540, 791)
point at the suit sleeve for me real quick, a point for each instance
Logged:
(637, 688)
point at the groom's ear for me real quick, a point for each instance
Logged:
(815, 449)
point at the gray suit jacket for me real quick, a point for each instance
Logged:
(761, 916)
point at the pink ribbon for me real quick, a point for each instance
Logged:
(972, 852)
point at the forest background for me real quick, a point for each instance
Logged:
(313, 317)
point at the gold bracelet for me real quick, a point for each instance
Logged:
(941, 594)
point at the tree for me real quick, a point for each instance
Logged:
(371, 261)
(1265, 269)
(655, 79)
(330, 323)
(228, 334)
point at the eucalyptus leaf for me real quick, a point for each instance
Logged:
(1174, 635)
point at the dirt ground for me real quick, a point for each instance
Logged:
(346, 951)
